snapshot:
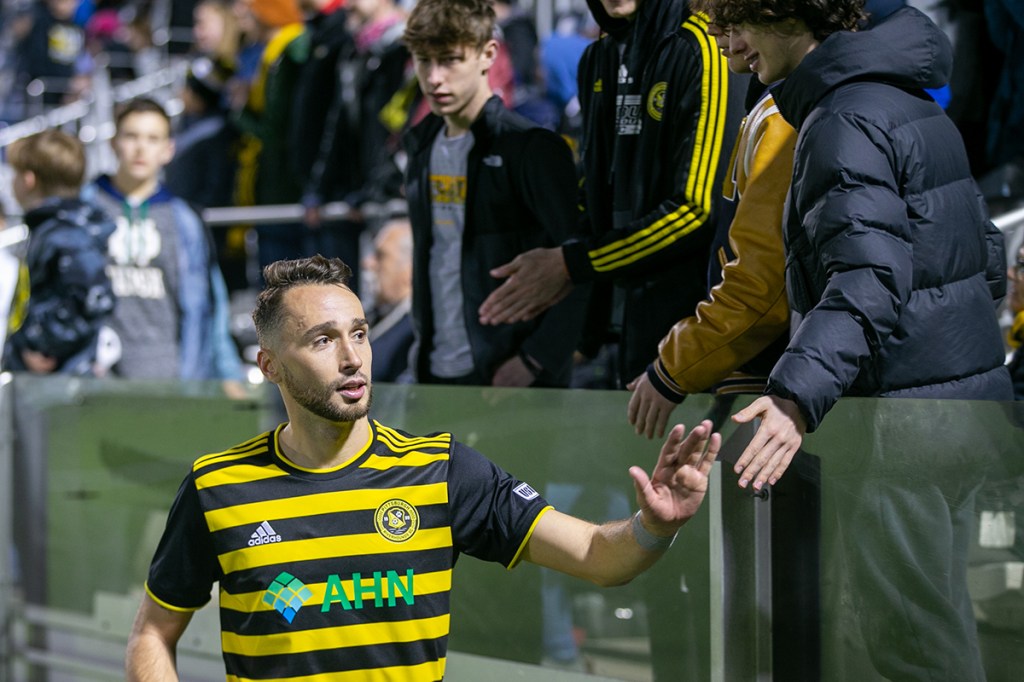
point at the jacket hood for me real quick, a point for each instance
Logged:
(106, 184)
(71, 212)
(664, 15)
(906, 50)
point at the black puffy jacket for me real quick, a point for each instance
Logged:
(891, 260)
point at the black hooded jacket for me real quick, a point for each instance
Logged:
(660, 113)
(891, 260)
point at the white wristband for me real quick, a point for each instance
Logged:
(648, 540)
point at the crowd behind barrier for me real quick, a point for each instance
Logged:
(102, 459)
(92, 465)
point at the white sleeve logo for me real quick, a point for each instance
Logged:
(524, 491)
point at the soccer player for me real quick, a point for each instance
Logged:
(333, 537)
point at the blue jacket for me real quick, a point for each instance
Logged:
(70, 295)
(891, 259)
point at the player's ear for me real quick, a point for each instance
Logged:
(267, 363)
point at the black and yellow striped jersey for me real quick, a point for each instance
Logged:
(343, 573)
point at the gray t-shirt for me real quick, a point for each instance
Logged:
(450, 354)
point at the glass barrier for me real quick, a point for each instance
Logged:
(888, 544)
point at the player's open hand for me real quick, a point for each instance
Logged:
(674, 491)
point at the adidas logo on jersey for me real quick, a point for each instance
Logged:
(264, 535)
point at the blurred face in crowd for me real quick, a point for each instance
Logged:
(62, 9)
(207, 29)
(620, 9)
(143, 146)
(733, 53)
(391, 262)
(772, 51)
(247, 22)
(454, 81)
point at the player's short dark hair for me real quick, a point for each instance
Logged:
(283, 275)
(435, 26)
(823, 17)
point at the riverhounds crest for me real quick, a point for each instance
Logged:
(396, 520)
(656, 100)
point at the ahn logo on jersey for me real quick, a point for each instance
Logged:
(263, 535)
(287, 594)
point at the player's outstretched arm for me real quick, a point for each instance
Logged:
(614, 553)
(151, 646)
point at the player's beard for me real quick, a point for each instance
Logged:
(320, 400)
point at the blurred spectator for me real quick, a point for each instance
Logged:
(202, 170)
(265, 174)
(324, 133)
(64, 294)
(390, 316)
(160, 262)
(216, 34)
(49, 46)
(1005, 142)
(483, 184)
(518, 38)
(383, 67)
(1016, 335)
(560, 56)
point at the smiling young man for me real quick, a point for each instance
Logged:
(894, 275)
(483, 184)
(333, 537)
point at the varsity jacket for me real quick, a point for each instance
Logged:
(519, 188)
(891, 259)
(740, 330)
(659, 109)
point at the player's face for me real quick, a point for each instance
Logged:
(454, 82)
(772, 51)
(143, 146)
(321, 359)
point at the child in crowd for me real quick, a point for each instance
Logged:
(63, 295)
(160, 262)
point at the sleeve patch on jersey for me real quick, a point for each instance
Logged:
(525, 491)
